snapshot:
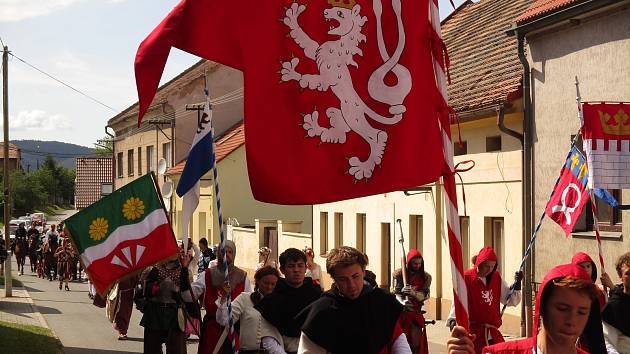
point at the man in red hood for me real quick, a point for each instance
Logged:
(585, 261)
(486, 292)
(568, 306)
(417, 291)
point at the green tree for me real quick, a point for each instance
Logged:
(27, 193)
(104, 147)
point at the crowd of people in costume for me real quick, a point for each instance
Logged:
(286, 309)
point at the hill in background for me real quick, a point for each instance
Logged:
(34, 152)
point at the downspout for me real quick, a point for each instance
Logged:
(503, 128)
(528, 185)
(113, 156)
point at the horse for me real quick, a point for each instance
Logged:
(21, 251)
(33, 244)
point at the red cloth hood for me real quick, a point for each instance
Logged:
(413, 253)
(486, 254)
(559, 271)
(583, 257)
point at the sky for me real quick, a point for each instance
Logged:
(89, 45)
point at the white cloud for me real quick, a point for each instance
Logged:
(37, 120)
(18, 10)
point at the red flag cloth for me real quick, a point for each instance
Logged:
(570, 193)
(606, 134)
(340, 96)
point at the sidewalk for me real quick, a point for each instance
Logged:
(20, 308)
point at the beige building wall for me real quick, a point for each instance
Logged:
(595, 51)
(493, 192)
(237, 201)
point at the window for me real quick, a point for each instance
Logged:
(338, 229)
(150, 158)
(166, 153)
(494, 237)
(415, 232)
(106, 189)
(464, 227)
(493, 143)
(323, 233)
(361, 227)
(139, 161)
(386, 265)
(130, 162)
(119, 165)
(460, 149)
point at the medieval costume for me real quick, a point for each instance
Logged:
(281, 307)
(417, 291)
(485, 296)
(124, 305)
(164, 317)
(368, 324)
(582, 257)
(616, 316)
(592, 330)
(253, 328)
(64, 255)
(209, 285)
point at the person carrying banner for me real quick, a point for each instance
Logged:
(566, 305)
(292, 294)
(486, 292)
(252, 328)
(163, 315)
(616, 314)
(354, 316)
(417, 291)
(585, 261)
(211, 285)
(123, 305)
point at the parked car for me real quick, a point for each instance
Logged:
(39, 217)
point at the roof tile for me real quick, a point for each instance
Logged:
(541, 7)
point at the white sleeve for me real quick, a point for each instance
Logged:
(198, 287)
(222, 310)
(451, 313)
(272, 346)
(400, 345)
(247, 286)
(611, 335)
(307, 346)
(515, 299)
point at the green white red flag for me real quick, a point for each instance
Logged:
(122, 233)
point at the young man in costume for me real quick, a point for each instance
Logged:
(354, 316)
(487, 291)
(585, 261)
(616, 314)
(568, 306)
(417, 291)
(291, 295)
(64, 254)
(211, 285)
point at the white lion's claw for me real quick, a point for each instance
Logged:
(311, 125)
(360, 169)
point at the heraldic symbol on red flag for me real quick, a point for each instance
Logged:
(606, 133)
(571, 193)
(341, 99)
(122, 233)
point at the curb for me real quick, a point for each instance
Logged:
(38, 314)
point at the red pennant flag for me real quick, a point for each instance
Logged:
(340, 95)
(570, 193)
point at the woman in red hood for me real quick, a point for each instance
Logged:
(567, 303)
(417, 291)
(486, 292)
(585, 261)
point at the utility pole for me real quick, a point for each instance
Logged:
(7, 203)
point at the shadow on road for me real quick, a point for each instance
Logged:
(75, 350)
(45, 310)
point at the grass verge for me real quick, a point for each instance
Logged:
(18, 338)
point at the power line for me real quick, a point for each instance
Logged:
(63, 83)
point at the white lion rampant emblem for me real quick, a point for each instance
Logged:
(487, 296)
(333, 59)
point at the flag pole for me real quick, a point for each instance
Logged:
(217, 198)
(521, 267)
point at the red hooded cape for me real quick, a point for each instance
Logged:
(526, 345)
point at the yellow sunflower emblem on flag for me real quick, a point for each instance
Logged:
(98, 229)
(133, 208)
